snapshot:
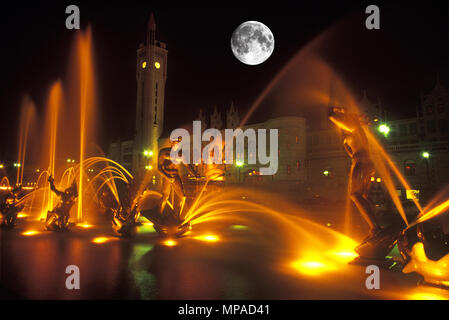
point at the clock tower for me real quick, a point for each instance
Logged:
(151, 75)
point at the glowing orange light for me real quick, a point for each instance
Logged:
(22, 215)
(84, 225)
(157, 65)
(207, 237)
(426, 296)
(30, 233)
(144, 65)
(372, 178)
(344, 256)
(147, 224)
(378, 179)
(101, 239)
(169, 243)
(312, 267)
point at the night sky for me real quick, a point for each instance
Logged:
(393, 64)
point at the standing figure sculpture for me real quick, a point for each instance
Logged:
(379, 240)
(9, 208)
(58, 218)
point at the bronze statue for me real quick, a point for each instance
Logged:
(58, 218)
(356, 145)
(9, 208)
(125, 216)
(172, 179)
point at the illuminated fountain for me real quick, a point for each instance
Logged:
(67, 130)
(26, 126)
(309, 249)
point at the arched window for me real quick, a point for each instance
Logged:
(409, 168)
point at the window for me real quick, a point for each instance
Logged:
(298, 164)
(409, 168)
(289, 169)
(297, 139)
(429, 109)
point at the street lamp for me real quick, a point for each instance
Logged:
(384, 129)
(426, 156)
(326, 173)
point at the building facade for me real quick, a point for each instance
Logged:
(418, 146)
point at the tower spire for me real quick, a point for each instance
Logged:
(151, 22)
(151, 29)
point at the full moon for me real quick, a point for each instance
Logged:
(252, 42)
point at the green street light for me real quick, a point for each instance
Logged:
(425, 155)
(384, 129)
(239, 164)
